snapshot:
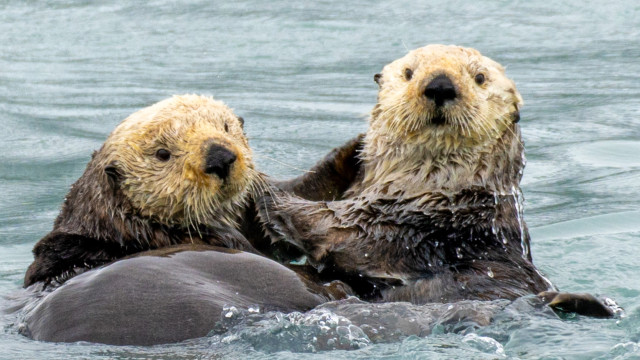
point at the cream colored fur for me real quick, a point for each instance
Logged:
(178, 191)
(404, 150)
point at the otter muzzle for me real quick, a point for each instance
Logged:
(219, 160)
(440, 89)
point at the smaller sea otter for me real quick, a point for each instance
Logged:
(175, 172)
(175, 178)
(433, 214)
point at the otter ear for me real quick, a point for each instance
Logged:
(378, 79)
(515, 116)
(241, 120)
(517, 103)
(113, 175)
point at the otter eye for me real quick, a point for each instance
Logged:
(479, 79)
(408, 73)
(163, 154)
(226, 127)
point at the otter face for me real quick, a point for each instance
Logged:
(182, 161)
(449, 92)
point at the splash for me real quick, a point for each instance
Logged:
(518, 200)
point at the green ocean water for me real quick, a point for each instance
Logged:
(301, 75)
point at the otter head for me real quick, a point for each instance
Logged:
(439, 107)
(183, 161)
(448, 92)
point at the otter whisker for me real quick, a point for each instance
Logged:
(515, 136)
(460, 121)
(275, 195)
(285, 164)
(485, 126)
(190, 224)
(469, 120)
(508, 127)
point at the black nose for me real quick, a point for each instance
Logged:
(219, 160)
(440, 89)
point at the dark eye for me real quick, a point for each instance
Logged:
(163, 154)
(408, 74)
(479, 79)
(226, 127)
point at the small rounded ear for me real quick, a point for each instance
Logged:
(241, 120)
(515, 116)
(517, 103)
(378, 79)
(113, 175)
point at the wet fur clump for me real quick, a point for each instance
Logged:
(434, 211)
(148, 187)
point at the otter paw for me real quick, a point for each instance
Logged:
(582, 304)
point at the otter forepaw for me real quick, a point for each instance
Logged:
(582, 304)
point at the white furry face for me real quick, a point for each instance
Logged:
(485, 101)
(445, 119)
(159, 155)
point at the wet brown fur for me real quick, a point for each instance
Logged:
(433, 212)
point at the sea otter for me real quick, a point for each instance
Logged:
(434, 213)
(175, 172)
(176, 178)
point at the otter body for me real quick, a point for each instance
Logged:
(433, 213)
(458, 247)
(167, 295)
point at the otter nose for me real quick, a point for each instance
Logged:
(440, 89)
(219, 160)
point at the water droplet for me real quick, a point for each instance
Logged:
(459, 253)
(231, 311)
(366, 255)
(490, 273)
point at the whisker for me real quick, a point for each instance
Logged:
(285, 164)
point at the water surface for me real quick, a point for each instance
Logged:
(301, 74)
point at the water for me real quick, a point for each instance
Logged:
(301, 74)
